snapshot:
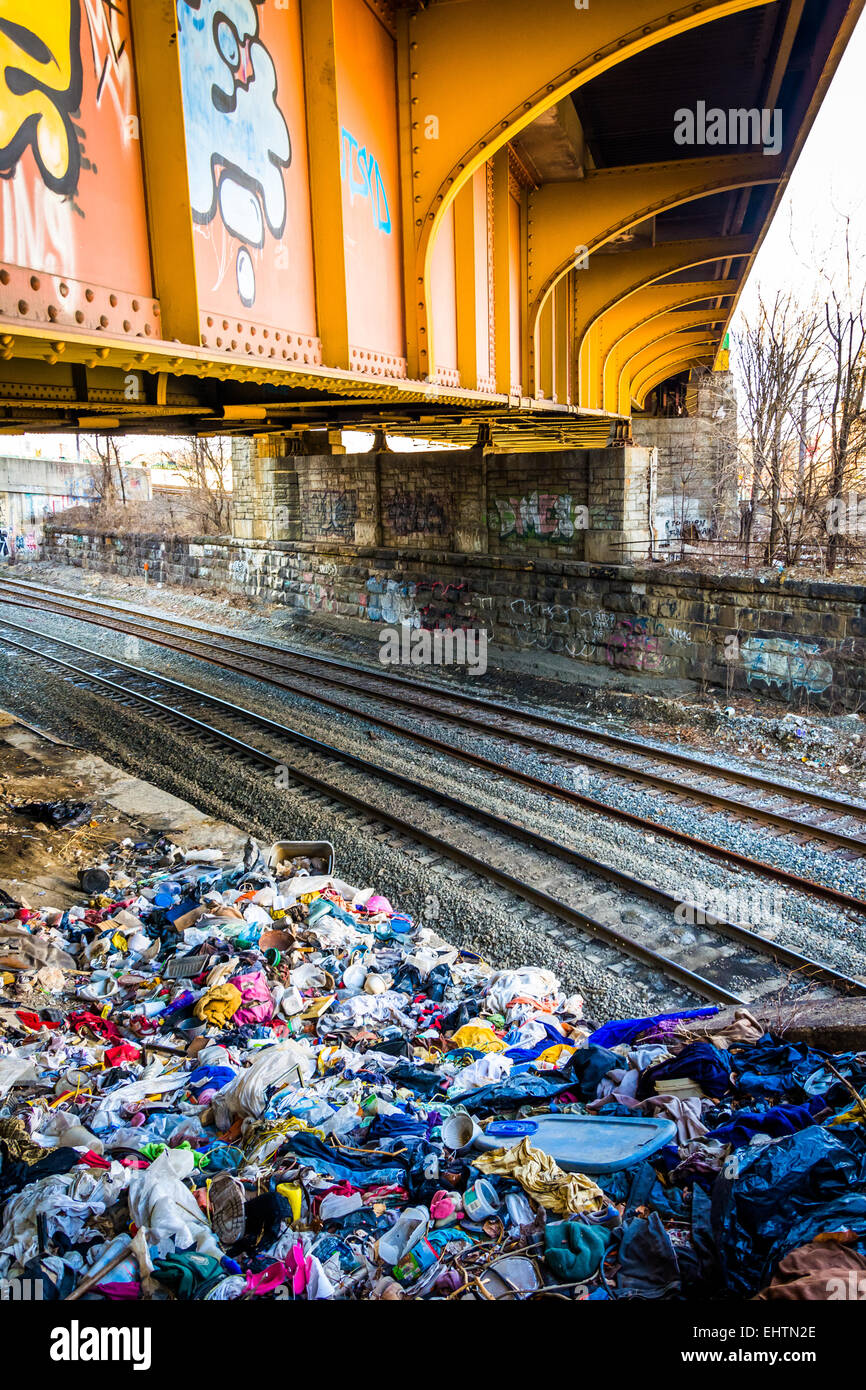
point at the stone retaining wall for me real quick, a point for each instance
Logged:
(801, 643)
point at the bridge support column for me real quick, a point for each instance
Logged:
(620, 487)
(266, 495)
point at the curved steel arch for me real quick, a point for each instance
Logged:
(661, 187)
(665, 367)
(645, 358)
(668, 370)
(456, 68)
(670, 310)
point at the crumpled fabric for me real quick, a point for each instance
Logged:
(771, 1067)
(743, 1028)
(778, 1121)
(685, 1113)
(482, 1072)
(574, 1251)
(648, 1263)
(821, 1272)
(275, 1066)
(101, 1027)
(17, 1071)
(257, 1006)
(187, 1273)
(479, 1038)
(624, 1030)
(65, 1201)
(161, 1203)
(543, 1179)
(588, 1065)
(705, 1065)
(528, 983)
(779, 1197)
(514, 1091)
(17, 1143)
(219, 1005)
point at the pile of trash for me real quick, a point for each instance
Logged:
(256, 1080)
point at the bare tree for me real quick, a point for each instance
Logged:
(844, 354)
(204, 464)
(777, 351)
(109, 480)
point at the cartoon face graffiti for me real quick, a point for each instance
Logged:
(40, 89)
(237, 139)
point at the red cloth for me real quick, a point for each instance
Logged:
(92, 1160)
(32, 1020)
(101, 1026)
(124, 1052)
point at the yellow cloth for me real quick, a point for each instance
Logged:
(556, 1055)
(481, 1039)
(218, 1005)
(543, 1179)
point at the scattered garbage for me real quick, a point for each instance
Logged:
(57, 814)
(233, 1081)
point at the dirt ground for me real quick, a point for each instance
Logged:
(39, 863)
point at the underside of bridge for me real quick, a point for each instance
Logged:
(256, 216)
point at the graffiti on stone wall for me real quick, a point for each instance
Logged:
(544, 516)
(417, 513)
(237, 139)
(444, 606)
(332, 512)
(786, 663)
(559, 629)
(634, 645)
(428, 604)
(676, 529)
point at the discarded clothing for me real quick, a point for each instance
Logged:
(543, 1179)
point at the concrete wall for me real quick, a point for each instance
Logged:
(798, 642)
(31, 490)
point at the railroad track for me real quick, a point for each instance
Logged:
(278, 666)
(549, 874)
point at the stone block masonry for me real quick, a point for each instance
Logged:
(570, 504)
(800, 643)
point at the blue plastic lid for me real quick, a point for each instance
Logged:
(590, 1143)
(512, 1128)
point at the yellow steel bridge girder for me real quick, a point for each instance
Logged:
(668, 367)
(681, 347)
(624, 326)
(618, 373)
(569, 220)
(463, 96)
(610, 279)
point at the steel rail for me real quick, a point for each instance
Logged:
(783, 956)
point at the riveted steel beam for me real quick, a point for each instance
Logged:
(638, 319)
(466, 94)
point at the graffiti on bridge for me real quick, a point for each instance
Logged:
(417, 513)
(367, 182)
(543, 516)
(788, 664)
(237, 141)
(634, 645)
(429, 604)
(40, 89)
(333, 512)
